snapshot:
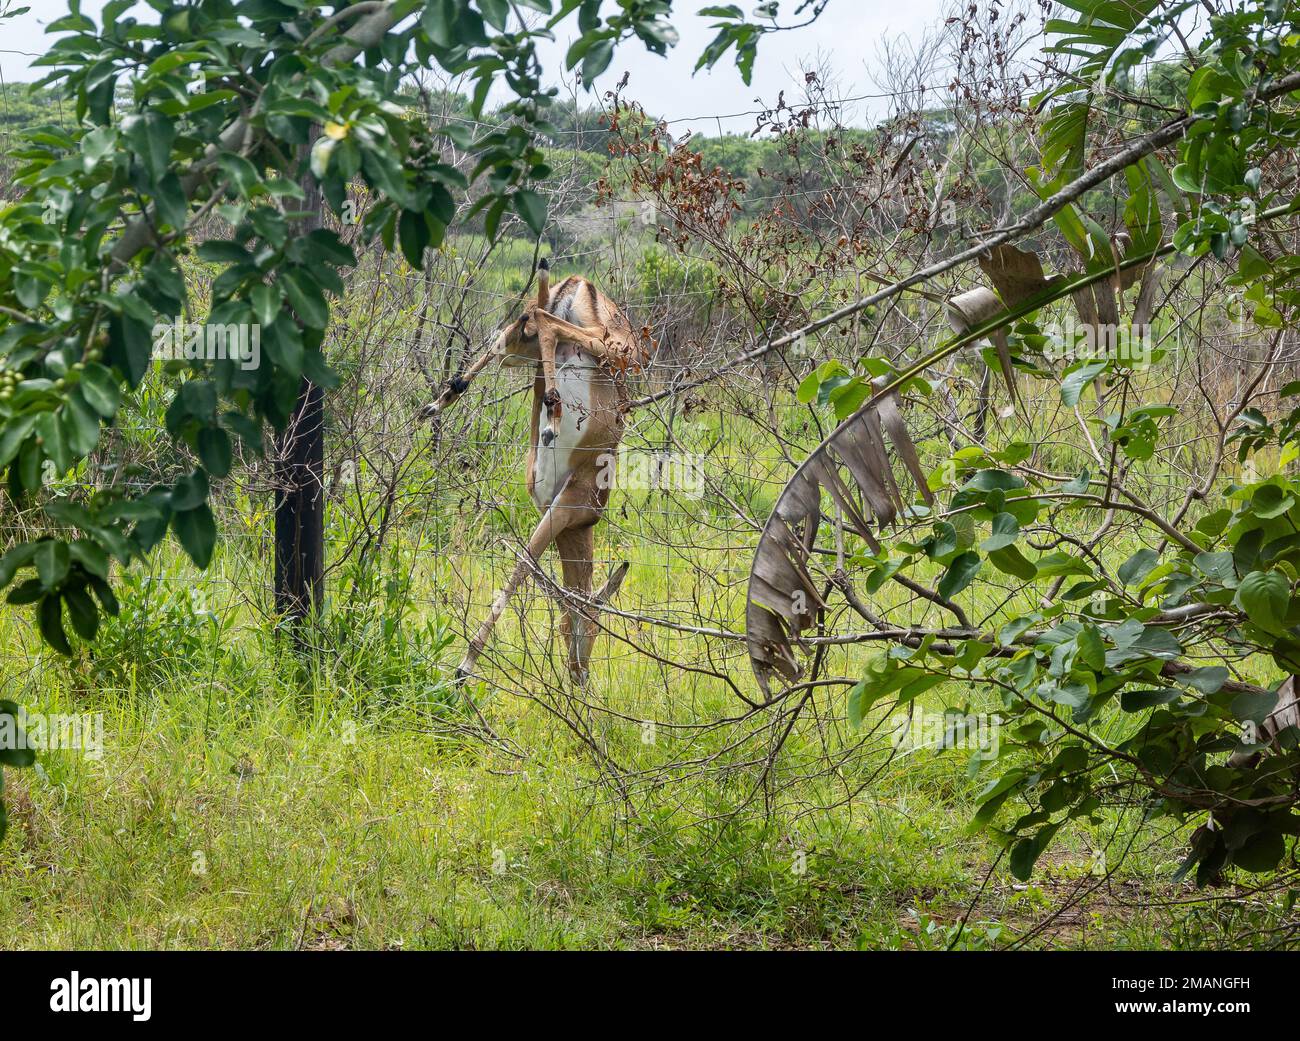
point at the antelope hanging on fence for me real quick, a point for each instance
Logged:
(582, 347)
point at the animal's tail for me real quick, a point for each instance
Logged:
(543, 283)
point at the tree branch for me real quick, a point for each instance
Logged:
(1139, 148)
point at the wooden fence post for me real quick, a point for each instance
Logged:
(300, 478)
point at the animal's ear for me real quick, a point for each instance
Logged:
(543, 283)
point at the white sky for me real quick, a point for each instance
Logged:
(846, 38)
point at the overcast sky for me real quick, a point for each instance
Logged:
(846, 39)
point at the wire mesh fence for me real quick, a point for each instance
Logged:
(440, 514)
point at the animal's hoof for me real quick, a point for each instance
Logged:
(458, 385)
(548, 435)
(462, 674)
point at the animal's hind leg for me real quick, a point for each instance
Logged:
(553, 523)
(575, 547)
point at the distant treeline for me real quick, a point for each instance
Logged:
(579, 129)
(769, 169)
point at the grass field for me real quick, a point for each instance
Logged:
(245, 800)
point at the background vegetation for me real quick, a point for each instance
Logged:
(252, 796)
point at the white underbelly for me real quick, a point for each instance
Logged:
(573, 381)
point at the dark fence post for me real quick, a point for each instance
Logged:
(300, 478)
(300, 507)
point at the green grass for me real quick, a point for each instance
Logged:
(244, 801)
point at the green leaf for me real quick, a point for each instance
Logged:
(1061, 563)
(808, 387)
(532, 208)
(1079, 485)
(1025, 853)
(306, 298)
(1263, 851)
(242, 174)
(1208, 679)
(1011, 561)
(321, 152)
(52, 560)
(223, 251)
(169, 197)
(1270, 501)
(439, 21)
(413, 235)
(266, 301)
(150, 136)
(20, 754)
(18, 557)
(14, 434)
(1254, 708)
(1138, 700)
(80, 424)
(215, 451)
(1138, 566)
(961, 572)
(82, 612)
(91, 556)
(1005, 531)
(104, 593)
(1092, 652)
(130, 344)
(993, 480)
(190, 491)
(943, 542)
(197, 532)
(496, 12)
(1264, 596)
(1074, 383)
(49, 616)
(857, 694)
(1155, 642)
(596, 61)
(97, 145)
(1218, 566)
(100, 389)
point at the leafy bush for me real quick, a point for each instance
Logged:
(660, 273)
(164, 626)
(378, 643)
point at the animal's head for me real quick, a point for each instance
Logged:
(516, 336)
(517, 333)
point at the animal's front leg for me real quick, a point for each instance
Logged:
(578, 626)
(546, 340)
(457, 385)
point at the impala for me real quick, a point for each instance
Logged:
(582, 347)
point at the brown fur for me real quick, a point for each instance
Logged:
(573, 317)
